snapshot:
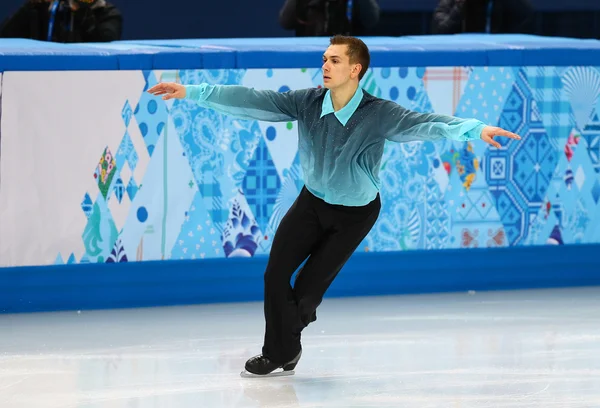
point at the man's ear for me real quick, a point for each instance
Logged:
(356, 70)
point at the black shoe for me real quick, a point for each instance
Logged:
(261, 365)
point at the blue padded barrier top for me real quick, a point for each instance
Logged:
(29, 55)
(142, 57)
(434, 50)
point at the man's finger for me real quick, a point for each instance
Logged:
(490, 140)
(502, 132)
(158, 87)
(494, 143)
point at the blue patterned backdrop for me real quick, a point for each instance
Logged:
(217, 186)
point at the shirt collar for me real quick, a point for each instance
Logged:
(344, 114)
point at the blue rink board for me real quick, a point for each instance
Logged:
(158, 283)
(467, 50)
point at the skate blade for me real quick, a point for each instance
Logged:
(247, 374)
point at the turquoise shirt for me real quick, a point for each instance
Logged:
(340, 152)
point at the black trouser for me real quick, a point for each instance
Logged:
(326, 234)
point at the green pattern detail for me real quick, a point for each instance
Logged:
(370, 84)
(100, 234)
(107, 168)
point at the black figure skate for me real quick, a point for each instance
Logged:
(260, 366)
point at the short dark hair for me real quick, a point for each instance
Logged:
(358, 52)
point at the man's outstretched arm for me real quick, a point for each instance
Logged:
(236, 100)
(403, 125)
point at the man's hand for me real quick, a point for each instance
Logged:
(489, 132)
(170, 90)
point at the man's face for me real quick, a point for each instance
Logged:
(337, 69)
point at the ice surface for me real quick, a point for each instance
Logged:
(495, 349)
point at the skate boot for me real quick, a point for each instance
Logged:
(260, 366)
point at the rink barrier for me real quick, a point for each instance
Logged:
(156, 283)
(435, 50)
(168, 283)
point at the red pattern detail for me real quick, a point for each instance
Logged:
(447, 167)
(497, 238)
(469, 238)
(573, 140)
(457, 75)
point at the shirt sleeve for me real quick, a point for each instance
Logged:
(403, 125)
(247, 103)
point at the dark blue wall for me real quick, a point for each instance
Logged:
(201, 19)
(156, 19)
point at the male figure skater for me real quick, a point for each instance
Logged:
(341, 130)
